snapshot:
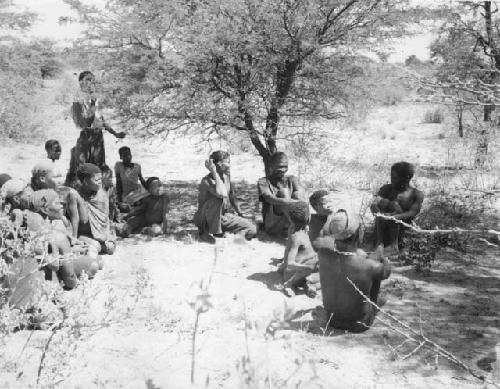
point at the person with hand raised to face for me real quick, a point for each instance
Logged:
(215, 198)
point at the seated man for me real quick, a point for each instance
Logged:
(42, 177)
(340, 259)
(277, 190)
(214, 196)
(300, 259)
(53, 149)
(398, 200)
(128, 177)
(94, 227)
(151, 215)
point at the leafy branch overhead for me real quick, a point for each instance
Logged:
(259, 67)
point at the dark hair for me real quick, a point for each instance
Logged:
(316, 196)
(106, 169)
(403, 169)
(219, 155)
(51, 143)
(122, 150)
(277, 156)
(150, 180)
(298, 212)
(4, 178)
(87, 170)
(82, 75)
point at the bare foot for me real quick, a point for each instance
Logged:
(206, 237)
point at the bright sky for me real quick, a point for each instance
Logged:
(48, 26)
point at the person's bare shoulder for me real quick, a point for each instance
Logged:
(418, 195)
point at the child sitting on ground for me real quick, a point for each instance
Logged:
(128, 175)
(110, 189)
(151, 215)
(53, 149)
(300, 259)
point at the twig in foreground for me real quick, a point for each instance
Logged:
(420, 339)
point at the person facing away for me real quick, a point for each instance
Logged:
(95, 226)
(128, 176)
(340, 260)
(276, 191)
(151, 215)
(215, 196)
(53, 150)
(398, 200)
(299, 259)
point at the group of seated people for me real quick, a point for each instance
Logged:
(82, 223)
(327, 241)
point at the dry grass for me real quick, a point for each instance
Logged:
(255, 337)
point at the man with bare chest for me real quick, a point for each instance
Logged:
(276, 191)
(398, 200)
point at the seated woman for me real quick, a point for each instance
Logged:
(94, 227)
(151, 215)
(214, 197)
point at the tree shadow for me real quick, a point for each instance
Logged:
(183, 197)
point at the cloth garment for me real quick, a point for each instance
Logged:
(212, 215)
(129, 176)
(94, 217)
(275, 222)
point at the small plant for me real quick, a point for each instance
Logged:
(435, 116)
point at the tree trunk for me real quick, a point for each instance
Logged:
(460, 112)
(482, 145)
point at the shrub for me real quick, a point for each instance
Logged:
(435, 116)
(446, 211)
(51, 68)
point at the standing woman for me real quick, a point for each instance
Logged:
(88, 118)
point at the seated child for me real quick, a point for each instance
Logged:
(319, 202)
(128, 176)
(299, 260)
(109, 188)
(340, 260)
(152, 211)
(53, 149)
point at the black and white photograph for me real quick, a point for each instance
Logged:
(249, 194)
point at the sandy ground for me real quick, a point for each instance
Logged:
(252, 336)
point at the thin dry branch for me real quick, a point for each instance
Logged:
(416, 228)
(419, 338)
